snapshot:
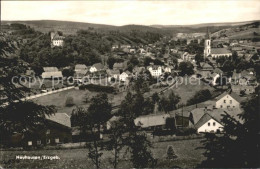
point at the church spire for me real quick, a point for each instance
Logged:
(208, 34)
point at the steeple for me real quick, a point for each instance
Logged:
(208, 34)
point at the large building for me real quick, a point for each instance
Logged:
(56, 39)
(214, 52)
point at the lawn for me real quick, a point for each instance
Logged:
(59, 99)
(187, 89)
(186, 150)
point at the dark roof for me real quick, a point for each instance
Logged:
(205, 65)
(60, 118)
(98, 66)
(232, 94)
(80, 66)
(220, 51)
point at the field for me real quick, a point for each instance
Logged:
(59, 99)
(187, 89)
(186, 150)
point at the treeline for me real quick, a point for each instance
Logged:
(86, 47)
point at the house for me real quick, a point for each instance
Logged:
(152, 120)
(155, 70)
(113, 74)
(209, 120)
(96, 67)
(124, 76)
(168, 69)
(239, 89)
(51, 72)
(205, 69)
(120, 66)
(132, 50)
(57, 129)
(80, 70)
(115, 47)
(80, 67)
(228, 100)
(187, 57)
(56, 39)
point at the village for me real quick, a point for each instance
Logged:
(94, 93)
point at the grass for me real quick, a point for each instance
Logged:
(186, 90)
(186, 150)
(59, 99)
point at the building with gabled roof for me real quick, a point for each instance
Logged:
(56, 39)
(228, 100)
(96, 67)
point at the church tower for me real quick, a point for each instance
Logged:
(207, 49)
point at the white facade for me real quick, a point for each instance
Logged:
(210, 126)
(227, 102)
(167, 69)
(93, 69)
(123, 76)
(207, 48)
(57, 42)
(155, 72)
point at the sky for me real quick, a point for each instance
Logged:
(168, 12)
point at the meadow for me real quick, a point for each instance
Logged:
(189, 156)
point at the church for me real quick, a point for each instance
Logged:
(214, 52)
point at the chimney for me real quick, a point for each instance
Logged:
(205, 110)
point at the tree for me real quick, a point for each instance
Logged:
(155, 97)
(169, 103)
(170, 153)
(69, 102)
(17, 115)
(239, 146)
(68, 72)
(200, 96)
(138, 145)
(186, 68)
(99, 111)
(199, 58)
(116, 141)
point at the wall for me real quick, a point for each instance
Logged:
(206, 128)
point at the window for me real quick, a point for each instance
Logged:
(38, 142)
(221, 106)
(230, 101)
(48, 141)
(224, 101)
(214, 124)
(48, 131)
(57, 140)
(208, 124)
(29, 143)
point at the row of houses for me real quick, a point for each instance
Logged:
(203, 119)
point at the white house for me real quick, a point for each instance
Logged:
(228, 100)
(56, 39)
(123, 76)
(206, 120)
(208, 124)
(155, 70)
(168, 69)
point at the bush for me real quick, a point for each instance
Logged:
(185, 131)
(97, 88)
(170, 153)
(69, 102)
